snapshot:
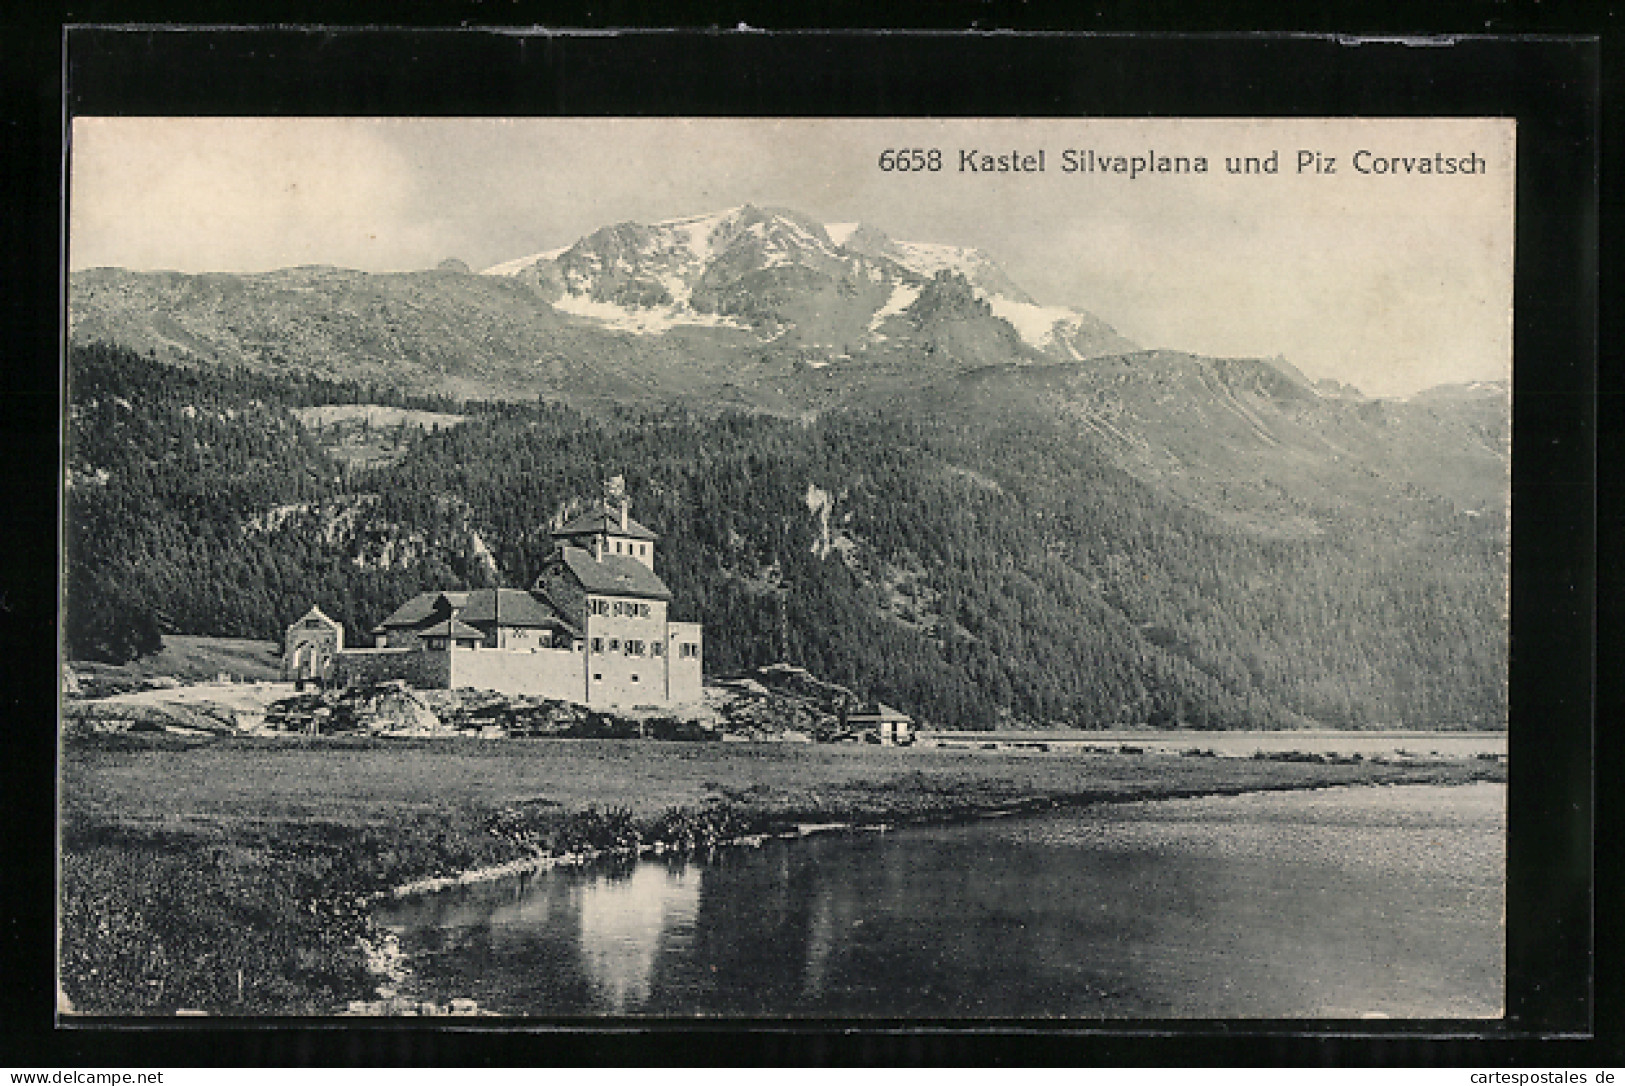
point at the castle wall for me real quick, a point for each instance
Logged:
(516, 638)
(421, 668)
(550, 673)
(623, 675)
(684, 679)
(601, 679)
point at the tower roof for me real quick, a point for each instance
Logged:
(607, 520)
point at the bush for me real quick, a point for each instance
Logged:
(150, 926)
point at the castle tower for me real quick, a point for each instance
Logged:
(601, 577)
(609, 530)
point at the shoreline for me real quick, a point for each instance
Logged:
(533, 865)
(168, 846)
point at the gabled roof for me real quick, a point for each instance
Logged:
(420, 608)
(604, 520)
(453, 629)
(877, 711)
(614, 575)
(318, 614)
(516, 607)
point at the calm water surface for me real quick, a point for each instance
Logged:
(1342, 903)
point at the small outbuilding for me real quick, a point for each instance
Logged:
(890, 726)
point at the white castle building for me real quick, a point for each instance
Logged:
(593, 629)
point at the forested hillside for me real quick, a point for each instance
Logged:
(975, 570)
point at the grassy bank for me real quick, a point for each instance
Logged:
(232, 875)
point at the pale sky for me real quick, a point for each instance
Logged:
(1389, 282)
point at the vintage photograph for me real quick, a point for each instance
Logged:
(805, 569)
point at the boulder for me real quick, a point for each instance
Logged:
(390, 707)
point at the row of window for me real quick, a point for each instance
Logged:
(687, 650)
(619, 608)
(642, 549)
(630, 647)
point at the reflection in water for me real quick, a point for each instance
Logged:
(623, 921)
(820, 942)
(1337, 903)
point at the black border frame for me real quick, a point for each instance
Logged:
(1551, 85)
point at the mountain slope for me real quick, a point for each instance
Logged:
(878, 459)
(1251, 443)
(973, 566)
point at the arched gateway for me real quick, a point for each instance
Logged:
(310, 647)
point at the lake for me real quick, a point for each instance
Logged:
(1335, 903)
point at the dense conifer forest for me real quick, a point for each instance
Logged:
(975, 573)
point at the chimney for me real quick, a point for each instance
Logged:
(623, 513)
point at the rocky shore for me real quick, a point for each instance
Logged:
(773, 703)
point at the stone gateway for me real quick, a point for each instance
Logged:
(311, 647)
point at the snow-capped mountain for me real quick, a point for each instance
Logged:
(775, 271)
(757, 308)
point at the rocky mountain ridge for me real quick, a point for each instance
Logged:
(736, 302)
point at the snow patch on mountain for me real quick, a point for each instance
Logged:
(1038, 326)
(902, 296)
(642, 321)
(928, 258)
(839, 231)
(700, 228)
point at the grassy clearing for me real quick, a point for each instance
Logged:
(187, 659)
(231, 875)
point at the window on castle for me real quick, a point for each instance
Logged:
(598, 607)
(643, 549)
(634, 678)
(614, 644)
(688, 650)
(657, 649)
(598, 644)
(634, 648)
